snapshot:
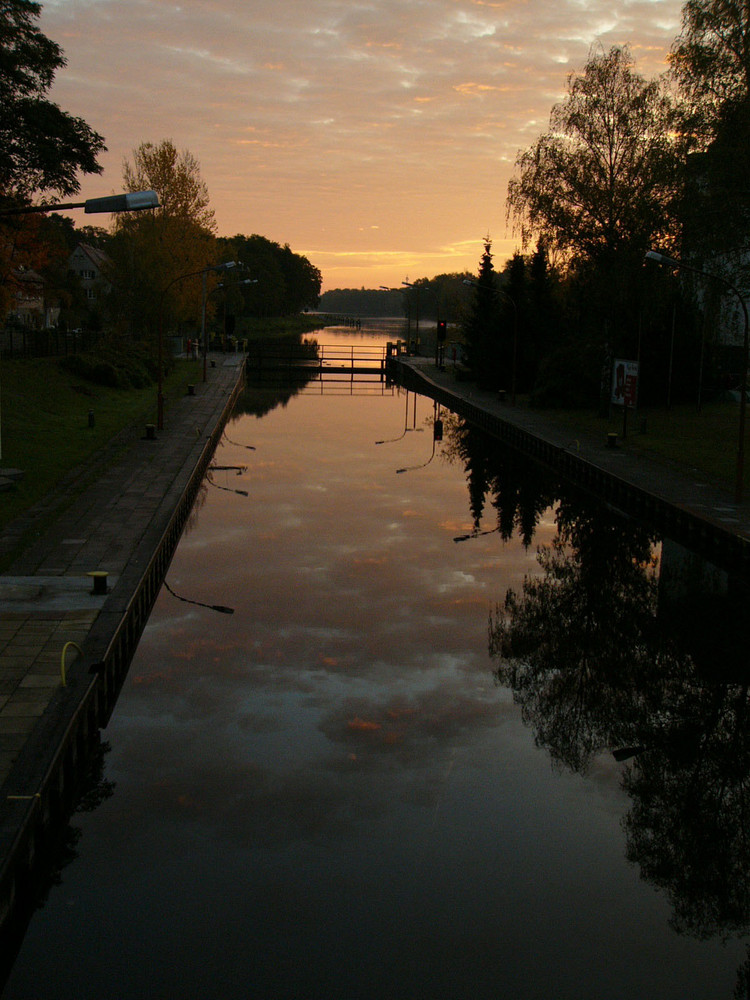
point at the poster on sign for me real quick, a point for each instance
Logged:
(625, 383)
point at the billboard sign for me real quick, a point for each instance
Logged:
(625, 383)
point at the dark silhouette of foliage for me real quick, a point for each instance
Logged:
(481, 329)
(605, 175)
(42, 148)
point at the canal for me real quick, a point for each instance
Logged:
(378, 778)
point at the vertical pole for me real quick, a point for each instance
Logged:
(671, 358)
(160, 373)
(743, 406)
(203, 326)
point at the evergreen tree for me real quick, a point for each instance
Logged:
(481, 330)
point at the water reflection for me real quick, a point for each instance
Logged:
(518, 491)
(624, 646)
(325, 795)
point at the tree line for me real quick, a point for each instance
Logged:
(628, 165)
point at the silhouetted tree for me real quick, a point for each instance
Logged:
(603, 179)
(42, 148)
(481, 328)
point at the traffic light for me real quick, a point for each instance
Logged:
(441, 331)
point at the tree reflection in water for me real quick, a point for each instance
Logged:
(624, 646)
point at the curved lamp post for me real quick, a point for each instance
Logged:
(664, 261)
(132, 201)
(223, 286)
(411, 284)
(160, 375)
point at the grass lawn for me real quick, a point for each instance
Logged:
(705, 441)
(44, 413)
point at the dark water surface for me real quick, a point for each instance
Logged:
(329, 794)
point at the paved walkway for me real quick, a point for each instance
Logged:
(47, 604)
(681, 486)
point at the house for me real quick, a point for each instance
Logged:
(89, 265)
(27, 298)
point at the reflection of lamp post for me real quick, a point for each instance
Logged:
(475, 534)
(133, 201)
(468, 281)
(406, 421)
(160, 375)
(437, 435)
(662, 259)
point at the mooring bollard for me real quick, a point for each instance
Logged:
(99, 576)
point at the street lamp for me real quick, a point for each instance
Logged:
(664, 261)
(132, 201)
(410, 284)
(223, 286)
(217, 269)
(160, 374)
(468, 281)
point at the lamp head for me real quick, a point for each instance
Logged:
(660, 258)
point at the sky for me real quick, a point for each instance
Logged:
(376, 137)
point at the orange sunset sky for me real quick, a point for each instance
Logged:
(376, 137)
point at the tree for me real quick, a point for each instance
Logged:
(302, 280)
(149, 250)
(710, 61)
(481, 329)
(176, 178)
(42, 148)
(603, 179)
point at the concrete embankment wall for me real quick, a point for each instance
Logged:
(667, 516)
(43, 784)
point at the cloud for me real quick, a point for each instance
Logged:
(314, 122)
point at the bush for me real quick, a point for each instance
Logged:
(113, 367)
(570, 378)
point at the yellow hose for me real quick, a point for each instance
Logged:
(62, 659)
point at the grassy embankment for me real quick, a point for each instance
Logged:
(44, 415)
(705, 442)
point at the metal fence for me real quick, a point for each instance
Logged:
(25, 342)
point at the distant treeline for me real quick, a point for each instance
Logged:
(442, 297)
(362, 302)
